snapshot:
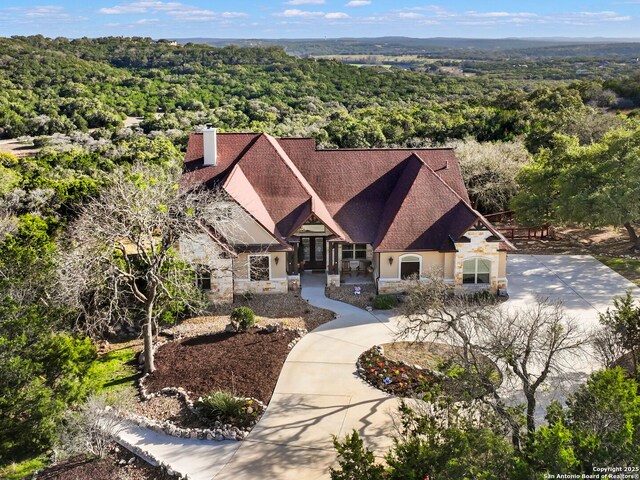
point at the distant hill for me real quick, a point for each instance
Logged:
(440, 47)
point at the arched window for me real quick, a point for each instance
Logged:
(410, 265)
(476, 270)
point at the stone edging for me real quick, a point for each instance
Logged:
(220, 431)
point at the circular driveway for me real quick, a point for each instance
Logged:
(319, 393)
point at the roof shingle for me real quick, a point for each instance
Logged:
(395, 199)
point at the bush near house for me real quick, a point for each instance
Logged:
(385, 302)
(244, 316)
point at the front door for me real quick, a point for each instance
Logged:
(313, 250)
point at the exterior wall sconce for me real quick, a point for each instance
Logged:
(276, 260)
(390, 260)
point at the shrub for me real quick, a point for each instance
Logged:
(226, 408)
(90, 429)
(244, 317)
(355, 461)
(385, 302)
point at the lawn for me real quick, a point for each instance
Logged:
(115, 370)
(24, 469)
(627, 267)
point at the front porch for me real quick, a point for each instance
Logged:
(337, 262)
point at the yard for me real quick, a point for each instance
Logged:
(345, 293)
(247, 364)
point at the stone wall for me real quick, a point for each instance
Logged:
(391, 286)
(266, 286)
(479, 247)
(278, 282)
(221, 285)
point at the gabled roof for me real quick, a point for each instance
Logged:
(238, 186)
(422, 212)
(395, 199)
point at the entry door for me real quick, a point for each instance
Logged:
(314, 251)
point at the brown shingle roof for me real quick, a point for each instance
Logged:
(395, 199)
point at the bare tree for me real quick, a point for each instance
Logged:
(490, 171)
(529, 343)
(607, 347)
(431, 310)
(91, 428)
(122, 254)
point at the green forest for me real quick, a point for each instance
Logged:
(556, 148)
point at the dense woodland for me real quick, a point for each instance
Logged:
(554, 149)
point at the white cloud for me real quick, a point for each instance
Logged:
(39, 14)
(122, 9)
(233, 14)
(435, 13)
(334, 15)
(358, 3)
(296, 13)
(177, 10)
(304, 2)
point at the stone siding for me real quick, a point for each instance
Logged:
(479, 247)
(264, 286)
(221, 285)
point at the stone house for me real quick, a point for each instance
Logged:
(355, 215)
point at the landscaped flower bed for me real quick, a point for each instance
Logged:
(443, 377)
(221, 382)
(396, 378)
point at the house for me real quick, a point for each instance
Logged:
(358, 215)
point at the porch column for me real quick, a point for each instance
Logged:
(295, 269)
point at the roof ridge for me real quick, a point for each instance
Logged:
(380, 235)
(381, 149)
(316, 201)
(481, 217)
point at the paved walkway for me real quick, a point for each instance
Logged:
(319, 393)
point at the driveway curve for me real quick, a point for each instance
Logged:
(319, 393)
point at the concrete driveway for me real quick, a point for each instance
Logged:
(319, 393)
(586, 288)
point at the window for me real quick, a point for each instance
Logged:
(203, 278)
(410, 266)
(354, 251)
(306, 249)
(476, 270)
(258, 267)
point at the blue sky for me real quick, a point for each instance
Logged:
(320, 18)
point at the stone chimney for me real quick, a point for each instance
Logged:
(210, 139)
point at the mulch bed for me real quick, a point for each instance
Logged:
(393, 377)
(246, 364)
(107, 468)
(171, 408)
(344, 293)
(398, 377)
